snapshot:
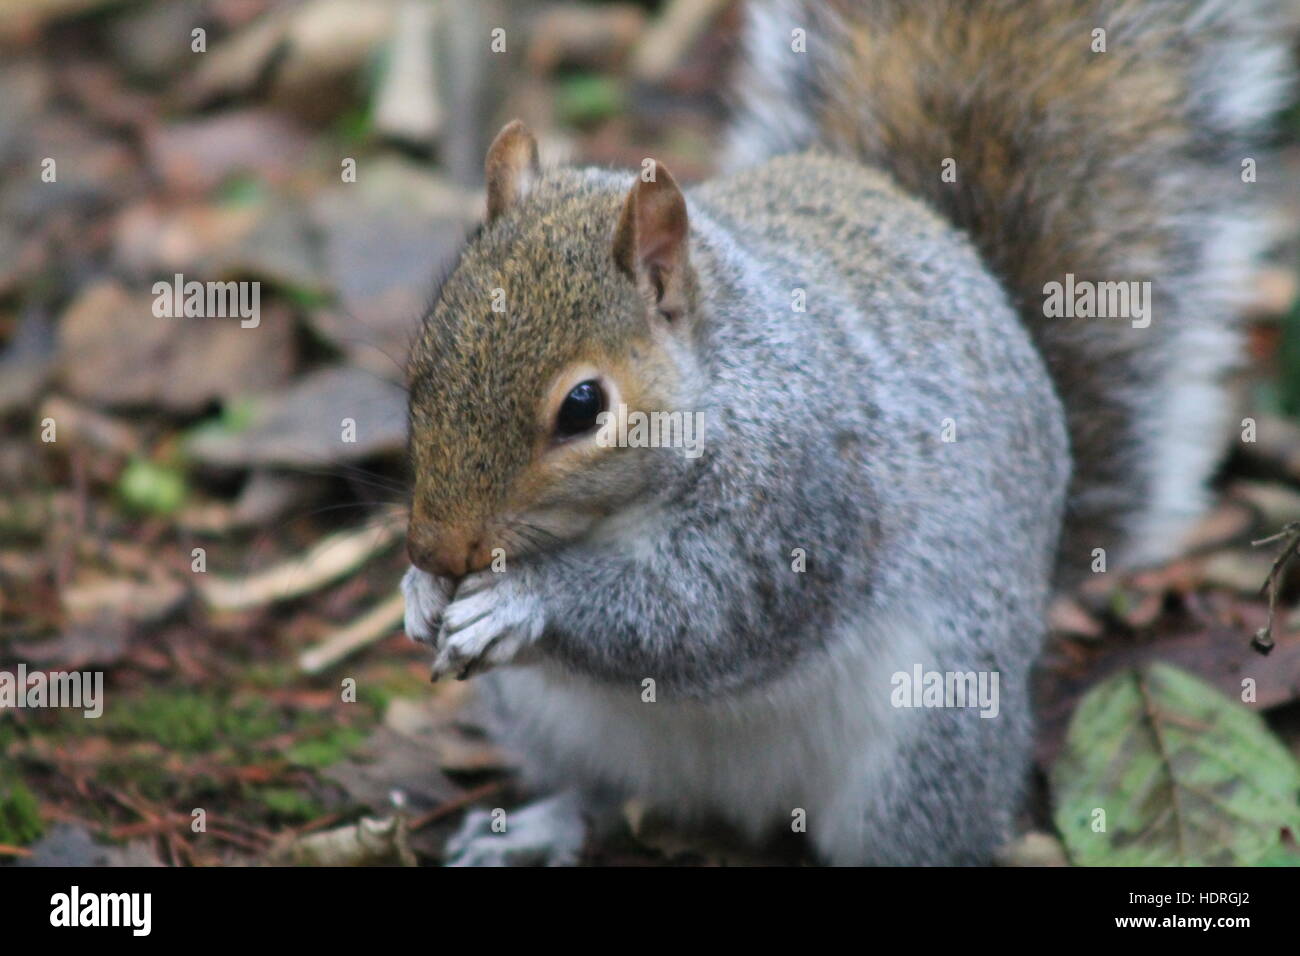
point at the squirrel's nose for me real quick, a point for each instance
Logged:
(449, 564)
(449, 552)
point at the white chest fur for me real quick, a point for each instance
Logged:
(813, 741)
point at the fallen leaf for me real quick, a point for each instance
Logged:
(267, 238)
(195, 156)
(368, 842)
(295, 51)
(177, 363)
(81, 646)
(1221, 656)
(1160, 769)
(387, 238)
(130, 599)
(304, 424)
(29, 359)
(389, 762)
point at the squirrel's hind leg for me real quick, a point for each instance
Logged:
(548, 832)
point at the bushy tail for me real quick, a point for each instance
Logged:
(1114, 141)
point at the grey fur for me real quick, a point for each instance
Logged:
(1122, 165)
(825, 433)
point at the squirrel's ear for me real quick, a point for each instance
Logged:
(650, 241)
(511, 167)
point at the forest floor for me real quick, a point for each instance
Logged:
(195, 529)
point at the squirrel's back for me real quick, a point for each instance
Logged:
(1096, 144)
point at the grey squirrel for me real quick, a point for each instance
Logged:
(902, 454)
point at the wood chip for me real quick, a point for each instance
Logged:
(376, 624)
(328, 561)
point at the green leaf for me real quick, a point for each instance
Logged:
(242, 190)
(354, 126)
(235, 416)
(150, 487)
(587, 98)
(1176, 773)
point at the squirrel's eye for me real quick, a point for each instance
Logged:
(579, 409)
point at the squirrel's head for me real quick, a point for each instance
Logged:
(571, 308)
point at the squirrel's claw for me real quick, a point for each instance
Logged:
(486, 625)
(426, 597)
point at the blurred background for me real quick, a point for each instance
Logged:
(201, 527)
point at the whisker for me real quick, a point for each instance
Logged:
(262, 542)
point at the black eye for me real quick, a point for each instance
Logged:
(579, 409)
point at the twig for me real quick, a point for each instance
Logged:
(319, 823)
(223, 828)
(666, 43)
(457, 803)
(221, 833)
(1263, 639)
(370, 627)
(326, 562)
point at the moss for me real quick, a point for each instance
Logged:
(273, 675)
(325, 750)
(378, 690)
(20, 812)
(289, 806)
(146, 777)
(192, 721)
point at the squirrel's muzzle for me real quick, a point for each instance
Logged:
(447, 550)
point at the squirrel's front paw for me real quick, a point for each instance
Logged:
(488, 623)
(426, 597)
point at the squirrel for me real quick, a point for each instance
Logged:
(904, 453)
